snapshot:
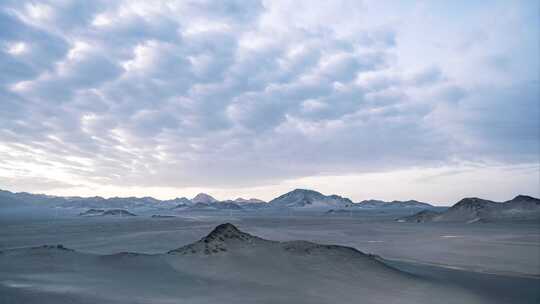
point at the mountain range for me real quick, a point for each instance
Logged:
(473, 209)
(298, 199)
(392, 204)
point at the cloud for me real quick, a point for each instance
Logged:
(237, 94)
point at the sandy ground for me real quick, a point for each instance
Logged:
(477, 263)
(496, 248)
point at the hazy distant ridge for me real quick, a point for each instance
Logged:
(473, 209)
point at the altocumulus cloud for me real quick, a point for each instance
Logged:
(250, 93)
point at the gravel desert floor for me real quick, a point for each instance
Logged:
(499, 262)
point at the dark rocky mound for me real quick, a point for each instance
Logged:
(92, 212)
(118, 212)
(55, 247)
(162, 216)
(420, 217)
(339, 211)
(227, 238)
(222, 237)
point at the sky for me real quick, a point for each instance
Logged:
(431, 100)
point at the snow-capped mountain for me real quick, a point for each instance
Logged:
(203, 198)
(303, 198)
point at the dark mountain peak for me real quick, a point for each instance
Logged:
(522, 197)
(302, 192)
(473, 202)
(226, 228)
(225, 232)
(296, 193)
(422, 216)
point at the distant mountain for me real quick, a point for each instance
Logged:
(103, 212)
(23, 199)
(9, 200)
(247, 204)
(472, 209)
(392, 204)
(98, 202)
(203, 198)
(248, 201)
(420, 217)
(175, 203)
(213, 206)
(302, 198)
(201, 201)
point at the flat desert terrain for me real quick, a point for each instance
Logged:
(484, 262)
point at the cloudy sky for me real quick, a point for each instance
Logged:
(433, 100)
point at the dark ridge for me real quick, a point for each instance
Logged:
(422, 216)
(124, 254)
(473, 202)
(92, 212)
(306, 247)
(59, 247)
(226, 230)
(522, 197)
(120, 212)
